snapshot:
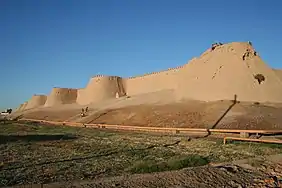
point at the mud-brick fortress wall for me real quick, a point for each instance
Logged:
(206, 77)
(101, 87)
(152, 82)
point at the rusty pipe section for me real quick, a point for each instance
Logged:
(154, 129)
(251, 140)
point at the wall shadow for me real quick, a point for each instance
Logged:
(18, 117)
(234, 102)
(35, 138)
(98, 115)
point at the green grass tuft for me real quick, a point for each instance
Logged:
(171, 164)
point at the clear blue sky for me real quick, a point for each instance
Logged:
(62, 43)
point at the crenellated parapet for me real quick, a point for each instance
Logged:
(152, 82)
(174, 69)
(98, 76)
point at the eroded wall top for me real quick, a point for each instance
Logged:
(175, 69)
(229, 70)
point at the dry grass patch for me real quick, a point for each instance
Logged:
(98, 153)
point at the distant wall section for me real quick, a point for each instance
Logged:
(101, 88)
(60, 96)
(18, 108)
(152, 82)
(23, 106)
(36, 101)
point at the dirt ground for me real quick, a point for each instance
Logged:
(192, 114)
(204, 177)
(223, 176)
(61, 156)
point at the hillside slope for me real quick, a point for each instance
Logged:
(224, 72)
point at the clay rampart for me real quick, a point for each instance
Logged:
(60, 96)
(206, 77)
(152, 82)
(224, 73)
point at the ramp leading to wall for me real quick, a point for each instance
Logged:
(60, 96)
(101, 88)
(36, 101)
(224, 72)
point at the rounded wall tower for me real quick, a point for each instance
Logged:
(101, 88)
(36, 101)
(61, 96)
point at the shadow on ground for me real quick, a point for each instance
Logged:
(33, 138)
(234, 102)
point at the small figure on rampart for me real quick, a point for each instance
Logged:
(117, 95)
(82, 114)
(214, 45)
(248, 53)
(244, 56)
